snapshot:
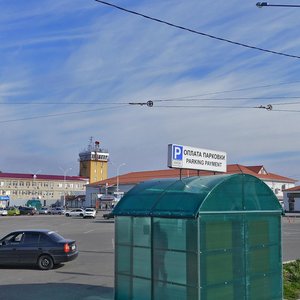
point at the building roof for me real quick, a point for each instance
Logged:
(137, 177)
(41, 177)
(295, 188)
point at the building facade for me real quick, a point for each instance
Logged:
(97, 191)
(93, 162)
(17, 188)
(291, 199)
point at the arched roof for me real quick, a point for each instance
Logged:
(188, 197)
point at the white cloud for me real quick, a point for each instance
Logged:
(110, 56)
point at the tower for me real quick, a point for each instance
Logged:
(94, 162)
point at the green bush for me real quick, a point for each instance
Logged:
(291, 280)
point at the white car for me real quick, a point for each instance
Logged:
(76, 212)
(44, 210)
(57, 211)
(90, 213)
(3, 211)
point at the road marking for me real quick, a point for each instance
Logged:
(90, 231)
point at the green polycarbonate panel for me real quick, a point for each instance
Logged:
(141, 289)
(226, 196)
(142, 262)
(224, 292)
(123, 287)
(123, 259)
(266, 288)
(263, 229)
(170, 266)
(238, 252)
(175, 256)
(186, 198)
(222, 264)
(174, 292)
(123, 230)
(141, 232)
(175, 234)
(241, 192)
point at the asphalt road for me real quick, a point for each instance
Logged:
(91, 275)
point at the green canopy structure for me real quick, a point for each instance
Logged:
(214, 237)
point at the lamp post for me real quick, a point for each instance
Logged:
(34, 188)
(262, 4)
(123, 164)
(65, 175)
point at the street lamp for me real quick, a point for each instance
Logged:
(65, 175)
(34, 188)
(123, 164)
(262, 4)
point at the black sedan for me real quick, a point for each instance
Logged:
(43, 248)
(109, 215)
(25, 210)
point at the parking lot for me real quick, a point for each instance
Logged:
(91, 275)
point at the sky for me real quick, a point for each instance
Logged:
(69, 69)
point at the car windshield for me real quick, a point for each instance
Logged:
(55, 236)
(89, 209)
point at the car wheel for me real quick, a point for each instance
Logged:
(67, 215)
(81, 215)
(45, 262)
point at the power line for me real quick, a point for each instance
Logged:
(197, 32)
(241, 89)
(234, 99)
(182, 99)
(57, 115)
(150, 104)
(64, 103)
(268, 107)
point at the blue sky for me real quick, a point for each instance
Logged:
(81, 62)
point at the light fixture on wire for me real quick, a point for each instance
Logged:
(263, 4)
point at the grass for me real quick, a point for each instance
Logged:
(291, 280)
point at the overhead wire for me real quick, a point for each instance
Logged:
(197, 32)
(57, 114)
(183, 99)
(242, 89)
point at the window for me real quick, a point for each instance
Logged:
(14, 238)
(45, 240)
(31, 238)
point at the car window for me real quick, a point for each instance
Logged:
(31, 238)
(45, 240)
(55, 236)
(14, 238)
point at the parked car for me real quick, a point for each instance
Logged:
(13, 211)
(76, 212)
(3, 211)
(24, 210)
(90, 213)
(44, 210)
(57, 211)
(43, 248)
(109, 215)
